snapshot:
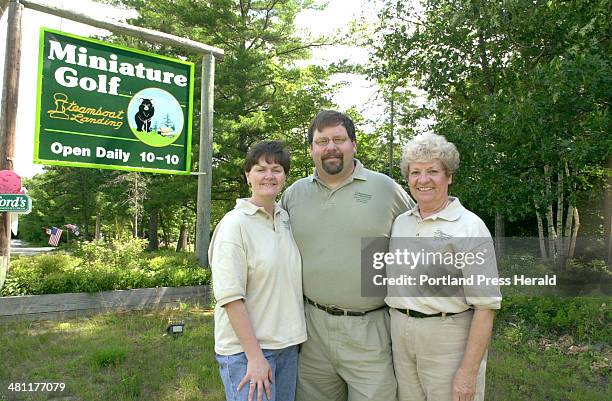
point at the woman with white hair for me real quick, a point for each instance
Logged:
(440, 338)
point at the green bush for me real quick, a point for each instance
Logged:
(98, 266)
(596, 270)
(586, 319)
(29, 275)
(546, 310)
(524, 264)
(127, 253)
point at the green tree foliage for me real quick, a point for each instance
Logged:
(522, 87)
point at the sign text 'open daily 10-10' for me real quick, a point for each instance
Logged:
(106, 106)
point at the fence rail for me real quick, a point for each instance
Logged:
(60, 306)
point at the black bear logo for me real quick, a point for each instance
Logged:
(144, 115)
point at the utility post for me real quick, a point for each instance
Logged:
(8, 122)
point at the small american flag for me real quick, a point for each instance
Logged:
(56, 235)
(73, 228)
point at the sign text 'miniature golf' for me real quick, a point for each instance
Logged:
(68, 77)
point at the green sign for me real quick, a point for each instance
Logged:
(15, 203)
(105, 106)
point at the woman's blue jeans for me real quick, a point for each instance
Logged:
(284, 367)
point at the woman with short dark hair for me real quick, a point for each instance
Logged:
(257, 277)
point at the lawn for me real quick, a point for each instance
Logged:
(118, 356)
(129, 356)
(541, 369)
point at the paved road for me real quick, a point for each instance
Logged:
(19, 247)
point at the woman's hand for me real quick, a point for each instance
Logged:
(258, 377)
(259, 374)
(464, 382)
(464, 385)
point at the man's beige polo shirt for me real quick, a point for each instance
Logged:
(328, 225)
(257, 260)
(457, 228)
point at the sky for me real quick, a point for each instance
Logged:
(334, 19)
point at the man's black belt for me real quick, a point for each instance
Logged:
(334, 310)
(413, 313)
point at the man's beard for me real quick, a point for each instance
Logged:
(335, 168)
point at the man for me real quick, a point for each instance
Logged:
(348, 352)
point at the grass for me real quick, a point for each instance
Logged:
(528, 362)
(523, 365)
(119, 356)
(128, 356)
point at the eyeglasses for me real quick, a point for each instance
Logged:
(337, 140)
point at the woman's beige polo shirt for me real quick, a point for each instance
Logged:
(257, 260)
(461, 230)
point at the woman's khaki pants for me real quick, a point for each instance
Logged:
(427, 353)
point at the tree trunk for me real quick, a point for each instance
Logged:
(567, 235)
(391, 133)
(541, 237)
(574, 234)
(609, 256)
(135, 226)
(165, 231)
(560, 206)
(550, 223)
(192, 235)
(136, 206)
(182, 240)
(85, 231)
(153, 237)
(570, 218)
(86, 215)
(98, 234)
(552, 236)
(607, 208)
(117, 228)
(500, 235)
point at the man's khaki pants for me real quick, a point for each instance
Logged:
(346, 358)
(427, 353)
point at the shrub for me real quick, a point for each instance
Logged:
(594, 271)
(98, 266)
(28, 274)
(586, 319)
(127, 253)
(524, 264)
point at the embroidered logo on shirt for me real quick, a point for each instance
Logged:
(285, 224)
(441, 235)
(361, 197)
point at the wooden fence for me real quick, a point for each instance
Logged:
(61, 306)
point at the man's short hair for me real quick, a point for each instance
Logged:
(331, 118)
(273, 151)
